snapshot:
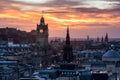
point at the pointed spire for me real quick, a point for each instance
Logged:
(68, 53)
(106, 37)
(97, 39)
(102, 39)
(67, 36)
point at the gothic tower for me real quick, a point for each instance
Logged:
(106, 38)
(42, 34)
(67, 49)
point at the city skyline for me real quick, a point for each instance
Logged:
(93, 18)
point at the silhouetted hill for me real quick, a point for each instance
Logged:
(17, 36)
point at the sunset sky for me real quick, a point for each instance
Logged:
(84, 17)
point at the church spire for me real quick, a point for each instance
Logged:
(67, 36)
(102, 40)
(97, 39)
(106, 37)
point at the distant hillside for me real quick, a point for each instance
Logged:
(17, 36)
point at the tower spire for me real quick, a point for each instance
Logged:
(106, 37)
(68, 53)
(102, 40)
(67, 36)
(97, 39)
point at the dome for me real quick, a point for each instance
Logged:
(111, 55)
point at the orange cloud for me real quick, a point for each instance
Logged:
(58, 19)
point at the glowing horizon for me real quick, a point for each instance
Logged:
(93, 18)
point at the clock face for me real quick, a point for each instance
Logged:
(41, 30)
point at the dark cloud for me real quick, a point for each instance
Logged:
(61, 4)
(54, 3)
(96, 10)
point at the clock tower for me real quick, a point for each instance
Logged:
(42, 34)
(41, 49)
